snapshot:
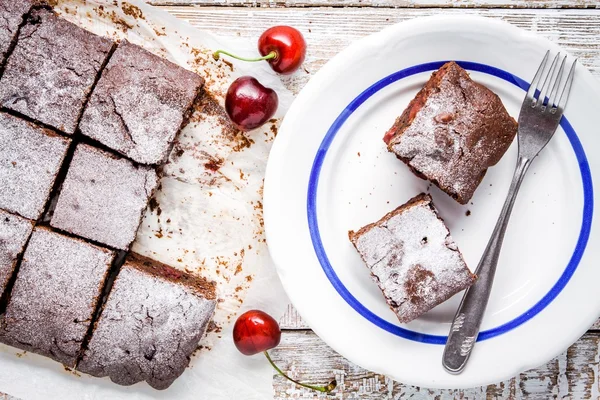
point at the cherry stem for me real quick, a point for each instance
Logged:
(269, 56)
(324, 389)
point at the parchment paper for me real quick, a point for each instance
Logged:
(206, 217)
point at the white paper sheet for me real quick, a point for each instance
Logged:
(207, 218)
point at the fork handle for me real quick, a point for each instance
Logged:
(467, 321)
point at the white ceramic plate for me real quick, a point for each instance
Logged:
(329, 172)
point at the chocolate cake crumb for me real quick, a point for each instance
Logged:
(452, 132)
(103, 197)
(152, 321)
(413, 258)
(52, 69)
(139, 104)
(30, 159)
(14, 232)
(58, 285)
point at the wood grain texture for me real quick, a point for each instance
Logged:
(388, 3)
(329, 30)
(573, 374)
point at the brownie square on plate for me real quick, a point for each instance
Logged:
(58, 286)
(103, 197)
(12, 13)
(14, 232)
(30, 159)
(139, 104)
(152, 321)
(413, 258)
(52, 69)
(452, 131)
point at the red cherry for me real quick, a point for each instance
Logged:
(282, 46)
(289, 47)
(249, 104)
(255, 331)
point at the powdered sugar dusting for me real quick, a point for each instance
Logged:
(11, 15)
(55, 294)
(30, 158)
(461, 130)
(139, 104)
(52, 69)
(413, 259)
(147, 331)
(14, 232)
(103, 197)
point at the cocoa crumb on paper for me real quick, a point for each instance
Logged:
(119, 22)
(238, 269)
(131, 10)
(213, 164)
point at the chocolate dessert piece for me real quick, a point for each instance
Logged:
(152, 321)
(413, 258)
(14, 232)
(12, 13)
(30, 158)
(103, 197)
(139, 104)
(52, 69)
(452, 131)
(58, 286)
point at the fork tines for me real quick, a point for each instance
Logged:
(551, 79)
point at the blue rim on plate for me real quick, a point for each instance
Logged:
(584, 233)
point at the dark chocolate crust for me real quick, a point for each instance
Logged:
(58, 286)
(30, 159)
(52, 69)
(452, 132)
(103, 197)
(150, 325)
(149, 266)
(139, 104)
(14, 232)
(412, 258)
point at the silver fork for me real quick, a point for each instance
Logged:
(538, 121)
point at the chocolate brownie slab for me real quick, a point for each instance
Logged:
(452, 132)
(139, 104)
(413, 258)
(55, 295)
(12, 13)
(152, 321)
(14, 232)
(52, 69)
(30, 158)
(103, 197)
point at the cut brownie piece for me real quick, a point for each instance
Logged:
(30, 158)
(58, 286)
(103, 197)
(413, 258)
(14, 232)
(12, 13)
(152, 321)
(452, 131)
(139, 104)
(52, 69)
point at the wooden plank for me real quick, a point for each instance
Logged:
(573, 374)
(292, 320)
(389, 3)
(329, 30)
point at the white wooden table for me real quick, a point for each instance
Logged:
(330, 26)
